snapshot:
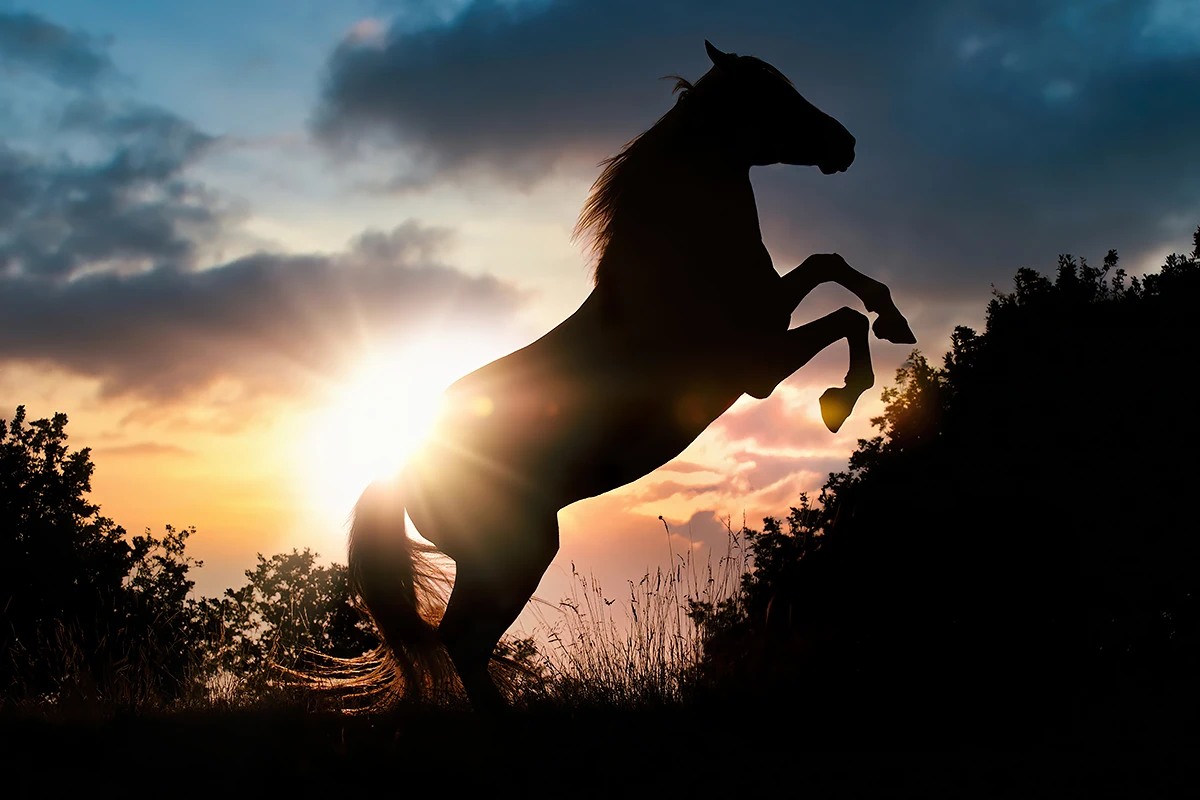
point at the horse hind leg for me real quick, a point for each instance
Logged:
(490, 589)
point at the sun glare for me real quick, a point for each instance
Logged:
(379, 415)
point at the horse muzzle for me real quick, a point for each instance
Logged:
(838, 165)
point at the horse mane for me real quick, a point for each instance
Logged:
(621, 174)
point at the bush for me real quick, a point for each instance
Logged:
(1016, 540)
(82, 605)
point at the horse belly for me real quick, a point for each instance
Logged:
(638, 441)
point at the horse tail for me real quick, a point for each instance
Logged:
(402, 590)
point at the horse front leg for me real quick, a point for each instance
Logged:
(821, 268)
(789, 351)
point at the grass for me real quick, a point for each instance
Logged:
(638, 651)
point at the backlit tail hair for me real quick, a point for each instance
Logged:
(401, 587)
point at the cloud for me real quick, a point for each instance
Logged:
(775, 422)
(667, 489)
(990, 136)
(506, 88)
(269, 322)
(71, 59)
(762, 471)
(685, 467)
(751, 482)
(514, 87)
(142, 449)
(755, 472)
(105, 272)
(129, 210)
(90, 182)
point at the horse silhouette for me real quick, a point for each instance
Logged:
(687, 314)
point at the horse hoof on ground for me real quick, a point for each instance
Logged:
(836, 405)
(894, 328)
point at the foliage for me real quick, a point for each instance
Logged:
(72, 581)
(90, 612)
(777, 553)
(291, 610)
(1018, 534)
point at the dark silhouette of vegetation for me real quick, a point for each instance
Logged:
(82, 605)
(88, 610)
(1016, 550)
(89, 613)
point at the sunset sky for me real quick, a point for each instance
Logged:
(243, 244)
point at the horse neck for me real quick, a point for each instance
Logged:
(700, 188)
(693, 228)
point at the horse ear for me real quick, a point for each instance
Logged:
(719, 59)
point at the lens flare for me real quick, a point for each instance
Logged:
(379, 415)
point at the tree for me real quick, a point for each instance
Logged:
(1019, 533)
(290, 608)
(80, 601)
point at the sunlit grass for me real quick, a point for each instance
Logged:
(640, 646)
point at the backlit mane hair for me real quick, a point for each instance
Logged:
(624, 172)
(621, 174)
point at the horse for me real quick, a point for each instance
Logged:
(652, 357)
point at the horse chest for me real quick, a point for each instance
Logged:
(737, 289)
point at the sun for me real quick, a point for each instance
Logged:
(378, 415)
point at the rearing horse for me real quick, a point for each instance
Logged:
(623, 385)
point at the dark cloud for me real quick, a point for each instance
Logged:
(132, 209)
(515, 87)
(105, 188)
(704, 529)
(504, 88)
(270, 322)
(71, 59)
(991, 136)
(1065, 132)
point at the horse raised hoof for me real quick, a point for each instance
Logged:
(893, 327)
(836, 405)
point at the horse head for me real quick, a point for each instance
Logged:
(766, 121)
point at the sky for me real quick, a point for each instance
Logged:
(243, 245)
